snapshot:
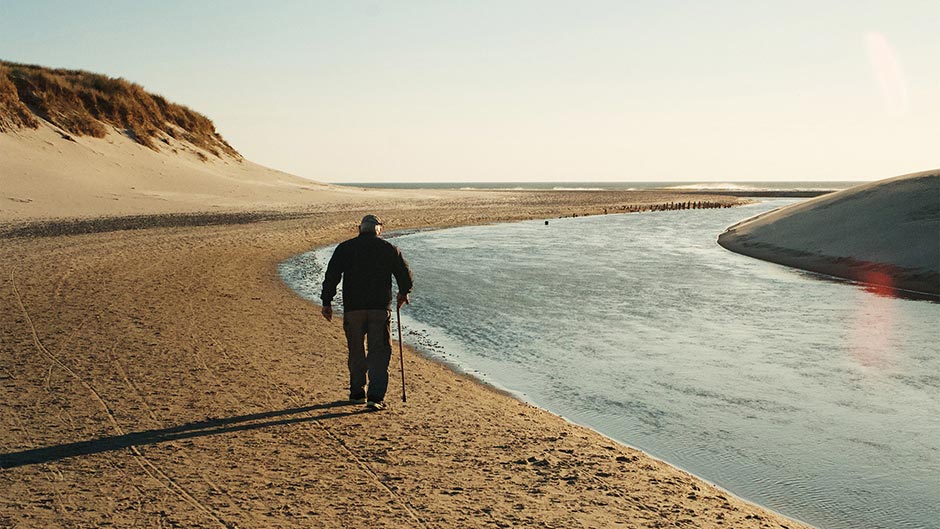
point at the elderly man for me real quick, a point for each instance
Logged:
(366, 264)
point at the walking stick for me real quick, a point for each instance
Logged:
(401, 354)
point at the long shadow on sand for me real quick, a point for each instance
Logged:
(239, 423)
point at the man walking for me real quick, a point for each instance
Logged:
(366, 264)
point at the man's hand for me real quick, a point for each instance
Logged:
(402, 299)
(327, 313)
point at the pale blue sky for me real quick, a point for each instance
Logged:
(507, 90)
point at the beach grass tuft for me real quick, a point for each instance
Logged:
(13, 113)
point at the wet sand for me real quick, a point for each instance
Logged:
(164, 376)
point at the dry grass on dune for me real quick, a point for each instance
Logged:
(85, 104)
(13, 113)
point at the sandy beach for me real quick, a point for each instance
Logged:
(156, 371)
(166, 377)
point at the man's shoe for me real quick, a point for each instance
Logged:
(376, 406)
(357, 400)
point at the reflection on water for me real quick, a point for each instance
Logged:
(879, 284)
(872, 332)
(815, 398)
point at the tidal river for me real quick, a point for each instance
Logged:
(818, 399)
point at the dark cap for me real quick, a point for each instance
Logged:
(371, 219)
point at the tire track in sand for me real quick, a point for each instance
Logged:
(338, 441)
(149, 467)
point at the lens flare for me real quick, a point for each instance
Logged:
(878, 283)
(888, 73)
(873, 328)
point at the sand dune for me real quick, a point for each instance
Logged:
(81, 144)
(885, 233)
(45, 175)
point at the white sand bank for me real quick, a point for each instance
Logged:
(885, 232)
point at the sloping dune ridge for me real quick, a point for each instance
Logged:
(80, 144)
(884, 233)
(43, 175)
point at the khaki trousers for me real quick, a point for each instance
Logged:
(372, 327)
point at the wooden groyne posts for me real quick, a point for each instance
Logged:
(665, 206)
(674, 206)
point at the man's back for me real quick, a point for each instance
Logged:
(366, 263)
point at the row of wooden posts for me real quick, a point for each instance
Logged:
(672, 206)
(667, 206)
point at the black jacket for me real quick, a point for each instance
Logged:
(366, 264)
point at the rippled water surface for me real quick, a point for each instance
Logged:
(818, 399)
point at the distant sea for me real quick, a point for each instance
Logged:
(613, 186)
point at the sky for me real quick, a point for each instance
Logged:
(514, 91)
